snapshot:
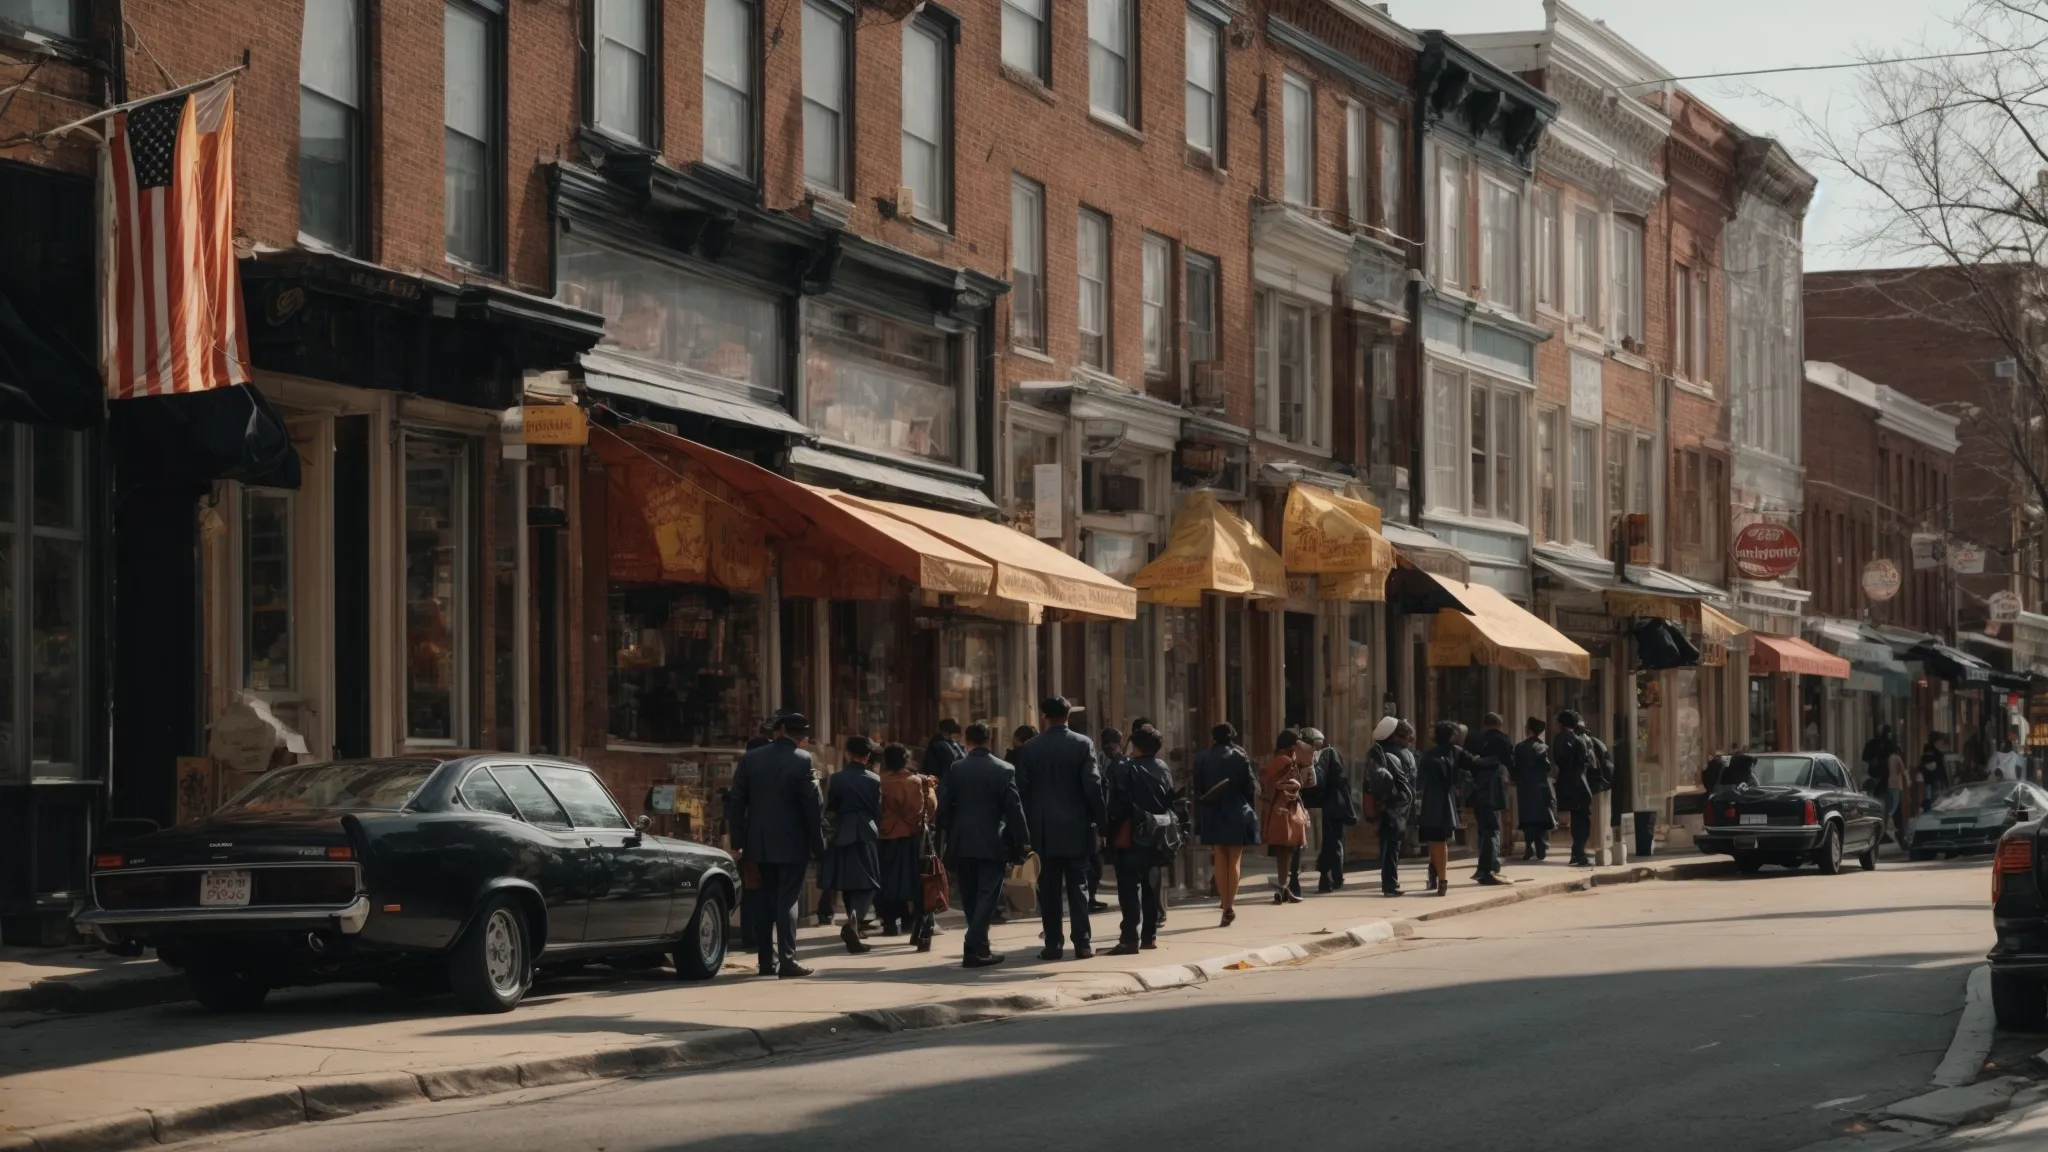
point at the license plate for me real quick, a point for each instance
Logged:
(225, 888)
(1755, 818)
(1743, 843)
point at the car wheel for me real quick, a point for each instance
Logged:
(1828, 858)
(491, 967)
(1869, 858)
(701, 951)
(2019, 1002)
(1749, 863)
(1919, 854)
(221, 988)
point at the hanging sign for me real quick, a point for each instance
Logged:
(553, 424)
(2004, 606)
(1766, 551)
(1966, 559)
(1926, 550)
(1880, 580)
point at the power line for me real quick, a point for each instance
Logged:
(1817, 67)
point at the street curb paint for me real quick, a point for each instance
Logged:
(1975, 1029)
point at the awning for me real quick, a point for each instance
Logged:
(1718, 625)
(1336, 537)
(1793, 657)
(1950, 664)
(1495, 631)
(965, 497)
(1426, 552)
(1211, 549)
(1881, 677)
(1848, 640)
(1026, 571)
(1641, 590)
(704, 402)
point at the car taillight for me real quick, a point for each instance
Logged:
(341, 852)
(2016, 854)
(108, 860)
(1729, 812)
(1810, 815)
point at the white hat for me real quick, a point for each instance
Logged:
(1386, 727)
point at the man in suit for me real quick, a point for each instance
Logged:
(775, 807)
(1063, 805)
(944, 751)
(1493, 756)
(982, 816)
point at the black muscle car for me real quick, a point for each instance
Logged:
(1791, 807)
(2019, 915)
(482, 867)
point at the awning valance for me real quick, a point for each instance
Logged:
(1951, 664)
(1718, 625)
(1495, 631)
(1337, 537)
(1211, 549)
(1791, 656)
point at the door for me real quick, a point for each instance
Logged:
(632, 879)
(1298, 661)
(563, 877)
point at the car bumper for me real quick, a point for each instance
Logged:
(111, 926)
(1729, 841)
(1966, 839)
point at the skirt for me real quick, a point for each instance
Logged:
(1436, 835)
(854, 867)
(902, 869)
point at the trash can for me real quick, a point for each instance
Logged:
(1646, 832)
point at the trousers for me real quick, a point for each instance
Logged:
(981, 885)
(1330, 858)
(1537, 837)
(782, 886)
(1582, 828)
(1391, 833)
(1137, 896)
(1066, 875)
(1487, 822)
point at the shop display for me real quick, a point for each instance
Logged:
(685, 668)
(668, 317)
(880, 384)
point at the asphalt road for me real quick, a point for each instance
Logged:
(1746, 1013)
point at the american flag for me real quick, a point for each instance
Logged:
(174, 319)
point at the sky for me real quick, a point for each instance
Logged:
(1733, 35)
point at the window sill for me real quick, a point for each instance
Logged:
(1550, 313)
(461, 265)
(1633, 360)
(937, 231)
(1031, 84)
(1116, 125)
(1279, 441)
(1204, 162)
(1703, 391)
(1479, 523)
(1031, 354)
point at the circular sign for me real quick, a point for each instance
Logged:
(1880, 580)
(1766, 551)
(2004, 606)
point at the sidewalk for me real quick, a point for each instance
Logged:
(80, 977)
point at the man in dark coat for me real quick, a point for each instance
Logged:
(776, 812)
(982, 815)
(1574, 759)
(1140, 786)
(1393, 789)
(1535, 804)
(1339, 809)
(1113, 758)
(852, 864)
(1492, 756)
(944, 751)
(1061, 780)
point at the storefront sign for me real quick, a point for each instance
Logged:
(2004, 606)
(1966, 559)
(1766, 551)
(1450, 649)
(1926, 550)
(1046, 505)
(553, 424)
(1880, 580)
(1860, 681)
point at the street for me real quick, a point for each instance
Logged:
(1741, 1013)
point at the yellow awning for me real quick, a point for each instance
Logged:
(1026, 571)
(1338, 537)
(1718, 625)
(1211, 549)
(1501, 634)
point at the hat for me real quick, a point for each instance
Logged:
(1385, 727)
(1058, 706)
(794, 723)
(1312, 735)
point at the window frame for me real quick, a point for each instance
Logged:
(492, 13)
(19, 524)
(1500, 286)
(1297, 181)
(749, 168)
(1128, 114)
(1702, 309)
(1041, 48)
(1626, 276)
(1481, 451)
(1584, 532)
(1035, 338)
(79, 29)
(245, 501)
(1552, 484)
(1104, 358)
(842, 142)
(1448, 239)
(358, 148)
(1388, 161)
(1215, 30)
(1583, 298)
(464, 588)
(1212, 269)
(1549, 211)
(1159, 297)
(1315, 369)
(1357, 163)
(945, 38)
(1681, 321)
(651, 85)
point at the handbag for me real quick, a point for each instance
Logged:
(933, 878)
(1156, 834)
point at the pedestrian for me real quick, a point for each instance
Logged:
(775, 800)
(982, 815)
(1933, 769)
(1225, 819)
(1018, 739)
(1140, 788)
(1535, 803)
(1284, 820)
(1140, 724)
(944, 750)
(1574, 759)
(1493, 757)
(910, 802)
(1392, 789)
(1112, 747)
(853, 865)
(1060, 777)
(1338, 806)
(2006, 764)
(1893, 793)
(1442, 778)
(1877, 751)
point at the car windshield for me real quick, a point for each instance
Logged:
(1770, 770)
(361, 784)
(1975, 796)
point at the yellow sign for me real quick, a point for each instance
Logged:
(554, 424)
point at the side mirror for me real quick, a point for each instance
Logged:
(642, 823)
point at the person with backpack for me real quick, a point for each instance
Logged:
(1225, 819)
(1575, 766)
(1392, 791)
(1535, 803)
(1145, 834)
(1492, 757)
(1331, 796)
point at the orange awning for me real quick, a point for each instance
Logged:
(1211, 549)
(1793, 657)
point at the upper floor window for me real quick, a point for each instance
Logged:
(1549, 249)
(1390, 168)
(713, 333)
(1585, 297)
(1628, 281)
(1025, 44)
(331, 124)
(827, 95)
(1201, 308)
(1156, 293)
(625, 68)
(1698, 324)
(1584, 504)
(1481, 422)
(1357, 192)
(1093, 266)
(1289, 369)
(1453, 266)
(1027, 263)
(57, 17)
(471, 145)
(1109, 58)
(1204, 84)
(1500, 243)
(1298, 149)
(928, 122)
(729, 85)
(1549, 512)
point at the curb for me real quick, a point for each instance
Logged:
(154, 984)
(1975, 1030)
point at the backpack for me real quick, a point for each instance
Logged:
(1392, 793)
(1157, 834)
(1312, 789)
(1599, 767)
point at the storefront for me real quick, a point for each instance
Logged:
(1784, 694)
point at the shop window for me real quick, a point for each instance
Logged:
(880, 384)
(828, 44)
(869, 688)
(1298, 150)
(686, 666)
(971, 660)
(1035, 468)
(1204, 85)
(331, 63)
(1763, 714)
(1117, 485)
(624, 59)
(708, 330)
(729, 85)
(472, 96)
(42, 602)
(1115, 554)
(927, 122)
(1024, 38)
(1109, 59)
(438, 565)
(267, 590)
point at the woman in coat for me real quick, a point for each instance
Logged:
(1442, 773)
(853, 865)
(1535, 803)
(1284, 820)
(1225, 819)
(909, 802)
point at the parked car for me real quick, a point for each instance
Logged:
(2019, 917)
(482, 867)
(1972, 818)
(1789, 808)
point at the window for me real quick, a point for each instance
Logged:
(267, 590)
(57, 17)
(483, 794)
(43, 589)
(1452, 267)
(1691, 494)
(1094, 276)
(1549, 524)
(1701, 327)
(1444, 425)
(729, 85)
(530, 796)
(1201, 308)
(1714, 507)
(1681, 320)
(885, 385)
(1617, 471)
(1506, 442)
(1549, 249)
(1390, 174)
(1024, 38)
(1384, 392)
(1298, 153)
(625, 71)
(1491, 428)
(1643, 476)
(1585, 264)
(470, 140)
(589, 805)
(927, 123)
(1288, 377)
(1480, 489)
(1109, 58)
(827, 45)
(1205, 85)
(330, 124)
(709, 331)
(1628, 281)
(685, 667)
(1357, 193)
(1500, 244)
(1027, 263)
(438, 566)
(1585, 457)
(1156, 293)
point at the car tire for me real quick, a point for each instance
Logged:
(1869, 859)
(222, 988)
(701, 952)
(491, 967)
(1749, 863)
(1828, 857)
(2019, 1002)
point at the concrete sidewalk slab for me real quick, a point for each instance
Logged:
(1952, 1107)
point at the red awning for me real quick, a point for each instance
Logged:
(1793, 657)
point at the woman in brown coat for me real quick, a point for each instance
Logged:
(1284, 820)
(909, 801)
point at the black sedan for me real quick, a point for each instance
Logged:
(480, 868)
(1789, 808)
(2019, 915)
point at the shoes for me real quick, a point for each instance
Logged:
(1292, 897)
(1492, 881)
(1148, 943)
(767, 970)
(1229, 917)
(1392, 892)
(791, 970)
(1097, 906)
(1083, 952)
(1529, 855)
(1125, 948)
(1051, 953)
(1279, 895)
(924, 944)
(988, 961)
(1544, 855)
(1443, 887)
(824, 919)
(867, 927)
(1581, 862)
(890, 928)
(850, 936)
